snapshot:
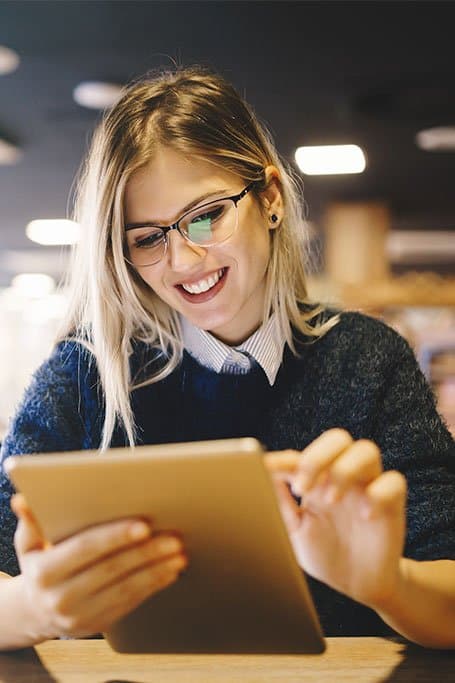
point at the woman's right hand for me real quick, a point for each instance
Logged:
(85, 583)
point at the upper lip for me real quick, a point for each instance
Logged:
(197, 278)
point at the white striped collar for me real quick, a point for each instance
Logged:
(266, 346)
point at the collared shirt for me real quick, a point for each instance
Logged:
(265, 346)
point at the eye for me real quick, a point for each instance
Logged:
(149, 240)
(212, 215)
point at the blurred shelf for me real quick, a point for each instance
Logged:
(411, 289)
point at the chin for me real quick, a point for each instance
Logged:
(210, 323)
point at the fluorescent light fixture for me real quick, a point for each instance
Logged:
(34, 285)
(330, 159)
(53, 231)
(441, 138)
(9, 154)
(9, 60)
(96, 94)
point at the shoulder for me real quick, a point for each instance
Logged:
(57, 403)
(360, 332)
(69, 364)
(357, 345)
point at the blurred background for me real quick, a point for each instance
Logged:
(374, 79)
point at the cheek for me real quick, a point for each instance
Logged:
(153, 280)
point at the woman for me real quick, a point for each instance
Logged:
(189, 320)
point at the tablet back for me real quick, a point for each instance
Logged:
(243, 591)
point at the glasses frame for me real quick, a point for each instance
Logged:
(235, 198)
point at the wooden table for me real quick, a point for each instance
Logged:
(366, 660)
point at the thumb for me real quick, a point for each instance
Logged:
(28, 533)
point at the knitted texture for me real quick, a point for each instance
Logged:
(362, 376)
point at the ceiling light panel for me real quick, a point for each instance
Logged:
(9, 154)
(330, 159)
(53, 231)
(97, 94)
(439, 139)
(9, 60)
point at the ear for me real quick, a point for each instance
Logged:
(271, 197)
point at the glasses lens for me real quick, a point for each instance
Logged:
(210, 224)
(146, 246)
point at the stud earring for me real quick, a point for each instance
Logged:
(274, 218)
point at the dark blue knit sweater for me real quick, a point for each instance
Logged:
(361, 375)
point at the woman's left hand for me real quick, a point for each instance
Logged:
(349, 529)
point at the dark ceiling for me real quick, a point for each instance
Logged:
(372, 73)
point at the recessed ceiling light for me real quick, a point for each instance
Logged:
(53, 231)
(330, 159)
(96, 94)
(441, 138)
(9, 154)
(9, 60)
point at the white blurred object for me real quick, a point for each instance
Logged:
(9, 60)
(51, 261)
(53, 231)
(96, 94)
(33, 285)
(421, 246)
(29, 323)
(438, 139)
(9, 154)
(330, 159)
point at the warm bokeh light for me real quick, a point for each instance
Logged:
(34, 285)
(96, 94)
(9, 60)
(53, 231)
(9, 154)
(330, 159)
(439, 138)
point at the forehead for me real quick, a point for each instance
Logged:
(161, 189)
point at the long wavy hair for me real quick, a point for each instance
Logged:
(196, 112)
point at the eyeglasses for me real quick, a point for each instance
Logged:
(204, 226)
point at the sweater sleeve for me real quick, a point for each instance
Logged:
(414, 439)
(57, 413)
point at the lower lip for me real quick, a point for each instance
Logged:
(204, 296)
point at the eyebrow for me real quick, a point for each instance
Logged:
(188, 207)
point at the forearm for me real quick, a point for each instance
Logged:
(16, 628)
(423, 607)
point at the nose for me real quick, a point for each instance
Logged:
(182, 255)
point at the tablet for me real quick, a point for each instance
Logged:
(243, 591)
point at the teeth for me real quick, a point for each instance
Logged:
(203, 285)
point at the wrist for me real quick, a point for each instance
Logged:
(391, 602)
(27, 628)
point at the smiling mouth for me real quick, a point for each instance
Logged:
(204, 289)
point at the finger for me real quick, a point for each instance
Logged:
(387, 494)
(74, 554)
(117, 600)
(282, 461)
(28, 534)
(318, 456)
(358, 465)
(290, 511)
(113, 568)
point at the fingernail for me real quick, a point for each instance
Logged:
(170, 545)
(139, 530)
(179, 563)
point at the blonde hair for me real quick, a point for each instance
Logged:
(193, 111)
